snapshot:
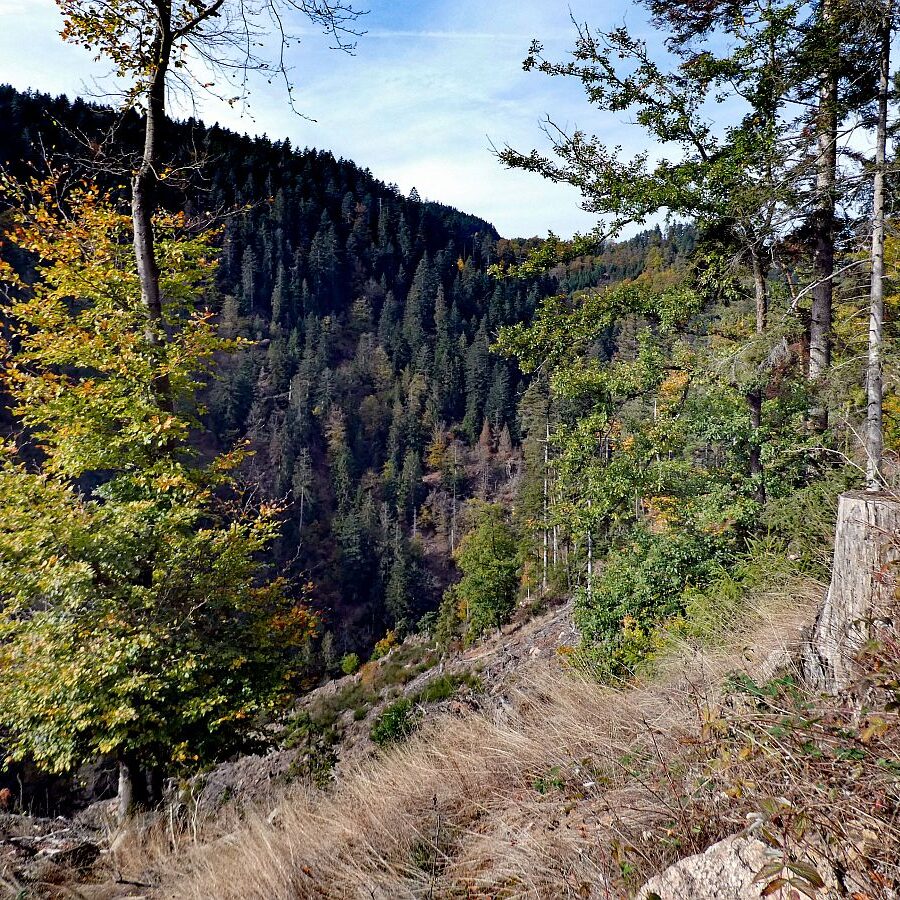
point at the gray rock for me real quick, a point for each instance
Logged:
(723, 872)
(78, 855)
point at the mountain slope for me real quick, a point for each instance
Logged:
(370, 398)
(371, 315)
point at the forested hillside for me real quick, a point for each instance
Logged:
(370, 397)
(708, 415)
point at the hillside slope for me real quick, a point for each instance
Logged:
(370, 396)
(567, 789)
(533, 781)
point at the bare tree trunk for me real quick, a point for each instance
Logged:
(132, 787)
(144, 191)
(755, 397)
(823, 227)
(546, 505)
(555, 545)
(760, 292)
(155, 788)
(143, 206)
(754, 402)
(823, 253)
(126, 791)
(874, 388)
(453, 507)
(590, 568)
(861, 599)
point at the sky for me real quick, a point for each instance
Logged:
(432, 87)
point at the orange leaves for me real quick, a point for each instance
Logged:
(8, 275)
(293, 627)
(673, 387)
(661, 512)
(161, 425)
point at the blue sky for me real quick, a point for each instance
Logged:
(433, 84)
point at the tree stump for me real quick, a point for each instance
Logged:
(862, 596)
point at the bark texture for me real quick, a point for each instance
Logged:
(823, 230)
(822, 221)
(755, 397)
(862, 596)
(132, 788)
(874, 376)
(144, 191)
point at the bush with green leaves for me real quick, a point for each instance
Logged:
(488, 557)
(350, 663)
(445, 686)
(647, 579)
(643, 585)
(396, 722)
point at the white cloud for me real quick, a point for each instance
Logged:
(431, 35)
(419, 104)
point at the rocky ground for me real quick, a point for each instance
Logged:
(41, 856)
(525, 641)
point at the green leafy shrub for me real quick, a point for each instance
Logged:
(440, 688)
(488, 557)
(395, 723)
(644, 584)
(804, 520)
(621, 656)
(715, 607)
(445, 686)
(449, 619)
(350, 664)
(394, 672)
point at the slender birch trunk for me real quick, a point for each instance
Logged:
(755, 397)
(546, 507)
(874, 388)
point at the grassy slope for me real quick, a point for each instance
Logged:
(554, 786)
(573, 790)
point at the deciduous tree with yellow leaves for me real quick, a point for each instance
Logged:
(135, 622)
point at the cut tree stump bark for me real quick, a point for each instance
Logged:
(862, 596)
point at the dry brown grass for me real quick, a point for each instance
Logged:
(568, 790)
